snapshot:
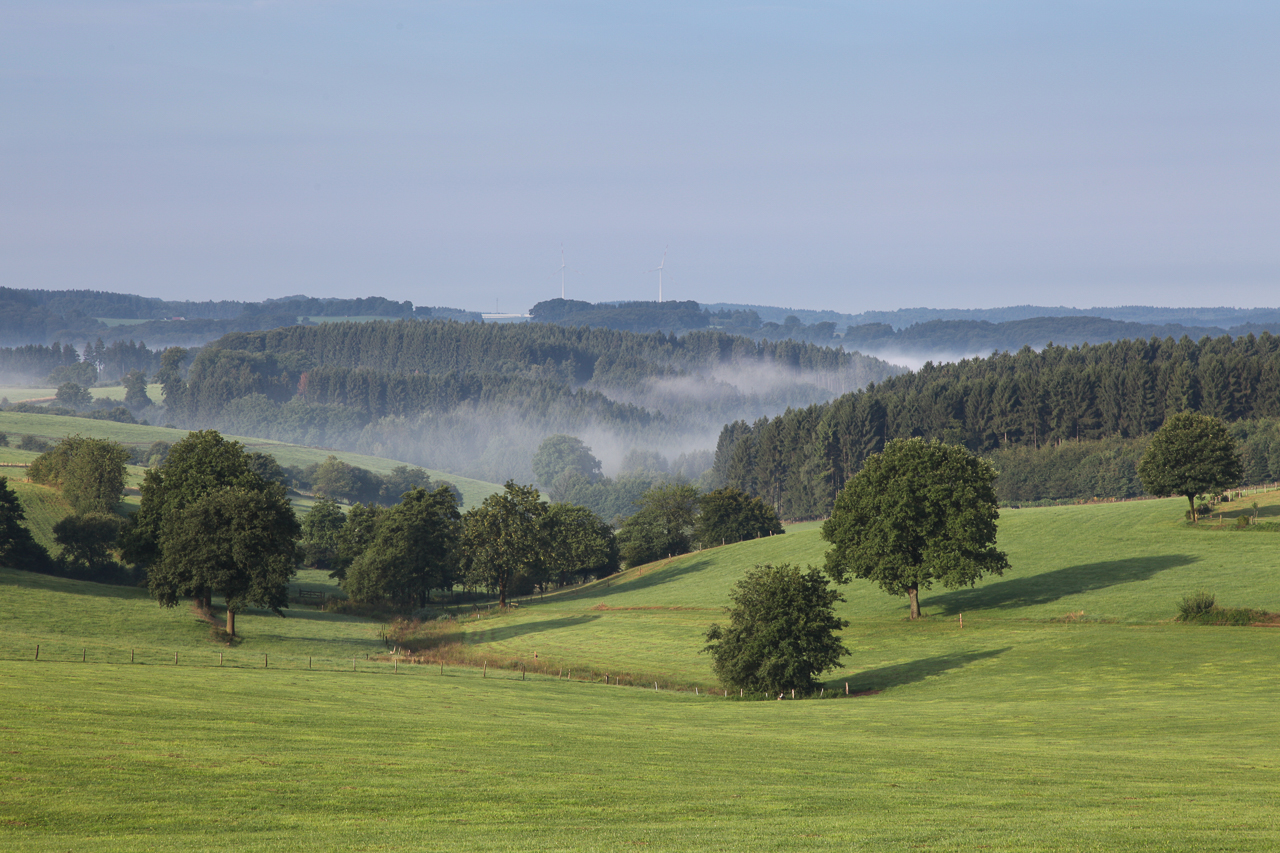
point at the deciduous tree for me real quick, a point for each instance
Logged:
(663, 526)
(504, 538)
(240, 542)
(916, 513)
(731, 515)
(563, 453)
(135, 391)
(414, 551)
(1192, 454)
(580, 544)
(155, 536)
(89, 471)
(782, 631)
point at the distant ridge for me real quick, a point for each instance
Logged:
(1222, 317)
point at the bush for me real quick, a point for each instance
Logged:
(1196, 605)
(31, 442)
(1242, 522)
(1201, 608)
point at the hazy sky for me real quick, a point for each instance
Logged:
(844, 155)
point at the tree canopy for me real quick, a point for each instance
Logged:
(581, 545)
(1192, 454)
(918, 512)
(240, 542)
(562, 454)
(414, 550)
(208, 484)
(663, 527)
(731, 515)
(89, 471)
(782, 631)
(504, 538)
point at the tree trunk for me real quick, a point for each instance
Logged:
(913, 595)
(231, 622)
(502, 593)
(1191, 499)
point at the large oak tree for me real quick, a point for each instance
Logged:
(917, 513)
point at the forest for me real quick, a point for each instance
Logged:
(478, 399)
(1065, 422)
(44, 316)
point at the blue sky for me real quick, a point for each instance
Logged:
(852, 156)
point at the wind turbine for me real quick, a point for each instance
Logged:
(562, 269)
(658, 270)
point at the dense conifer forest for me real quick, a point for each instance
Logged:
(478, 399)
(1066, 422)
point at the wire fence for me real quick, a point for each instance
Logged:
(66, 653)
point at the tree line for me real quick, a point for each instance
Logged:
(798, 461)
(478, 398)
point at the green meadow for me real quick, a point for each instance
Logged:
(1067, 713)
(55, 427)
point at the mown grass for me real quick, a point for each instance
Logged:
(55, 427)
(1093, 738)
(1125, 563)
(1068, 713)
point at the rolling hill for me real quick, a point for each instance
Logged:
(1068, 713)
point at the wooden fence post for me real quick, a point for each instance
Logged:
(175, 658)
(83, 656)
(37, 651)
(130, 655)
(264, 661)
(219, 658)
(485, 674)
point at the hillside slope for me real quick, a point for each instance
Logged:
(55, 427)
(1109, 565)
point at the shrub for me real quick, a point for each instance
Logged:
(1196, 605)
(1242, 522)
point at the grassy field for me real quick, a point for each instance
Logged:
(55, 427)
(1068, 713)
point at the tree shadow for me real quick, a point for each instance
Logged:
(507, 632)
(1050, 586)
(1241, 507)
(884, 677)
(679, 568)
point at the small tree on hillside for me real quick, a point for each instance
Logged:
(504, 538)
(662, 528)
(782, 631)
(916, 513)
(1192, 454)
(135, 391)
(89, 471)
(731, 515)
(579, 544)
(73, 396)
(86, 542)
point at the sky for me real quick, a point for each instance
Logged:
(824, 155)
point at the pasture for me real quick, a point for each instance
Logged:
(55, 427)
(1067, 714)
